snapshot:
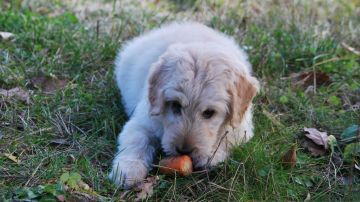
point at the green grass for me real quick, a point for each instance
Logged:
(281, 38)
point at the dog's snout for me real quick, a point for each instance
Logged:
(185, 149)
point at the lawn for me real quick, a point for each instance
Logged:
(60, 110)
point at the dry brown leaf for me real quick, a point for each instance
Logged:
(306, 79)
(12, 157)
(320, 138)
(16, 93)
(146, 188)
(6, 35)
(313, 148)
(289, 159)
(49, 85)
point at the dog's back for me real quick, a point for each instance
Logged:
(135, 58)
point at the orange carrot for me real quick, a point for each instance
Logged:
(180, 164)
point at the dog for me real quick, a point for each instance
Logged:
(187, 89)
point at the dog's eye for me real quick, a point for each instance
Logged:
(175, 107)
(207, 114)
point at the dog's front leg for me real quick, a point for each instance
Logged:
(136, 148)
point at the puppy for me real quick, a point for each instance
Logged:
(187, 89)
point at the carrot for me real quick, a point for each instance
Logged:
(180, 164)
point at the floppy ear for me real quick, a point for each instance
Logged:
(161, 73)
(158, 76)
(241, 93)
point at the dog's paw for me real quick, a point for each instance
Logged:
(127, 173)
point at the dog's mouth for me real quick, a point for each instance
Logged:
(196, 161)
(200, 160)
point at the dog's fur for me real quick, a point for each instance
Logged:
(171, 80)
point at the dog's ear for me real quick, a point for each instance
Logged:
(158, 76)
(161, 74)
(242, 92)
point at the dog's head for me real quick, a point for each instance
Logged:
(197, 91)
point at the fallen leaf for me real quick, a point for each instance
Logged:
(146, 188)
(12, 157)
(16, 93)
(306, 79)
(314, 149)
(49, 85)
(6, 35)
(289, 159)
(320, 138)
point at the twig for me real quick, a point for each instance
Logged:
(124, 194)
(272, 118)
(97, 29)
(37, 168)
(221, 187)
(314, 72)
(35, 171)
(41, 130)
(200, 171)
(334, 59)
(232, 181)
(213, 155)
(351, 49)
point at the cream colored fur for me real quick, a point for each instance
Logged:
(170, 80)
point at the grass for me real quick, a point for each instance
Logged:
(78, 43)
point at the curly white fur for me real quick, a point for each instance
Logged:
(185, 87)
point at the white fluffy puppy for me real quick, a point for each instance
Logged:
(186, 88)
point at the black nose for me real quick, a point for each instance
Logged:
(184, 149)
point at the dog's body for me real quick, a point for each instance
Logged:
(186, 88)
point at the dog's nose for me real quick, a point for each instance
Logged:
(185, 149)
